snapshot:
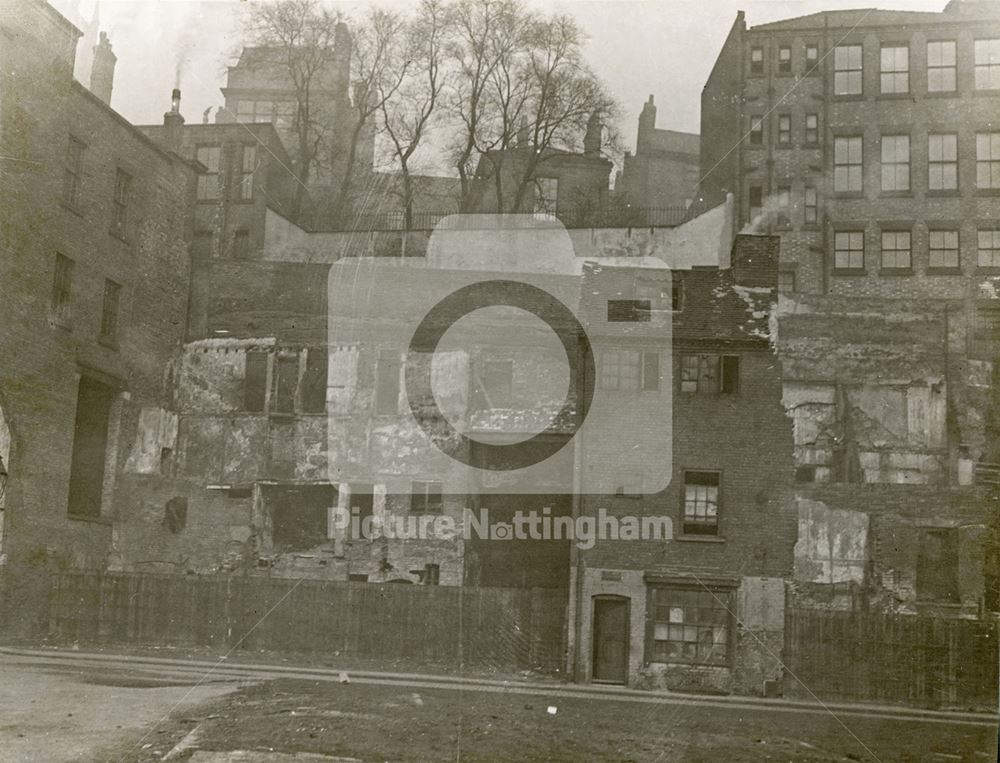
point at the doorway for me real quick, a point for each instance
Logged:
(610, 637)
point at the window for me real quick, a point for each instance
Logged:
(756, 60)
(119, 209)
(942, 162)
(629, 310)
(494, 384)
(248, 163)
(786, 281)
(937, 565)
(691, 625)
(847, 70)
(784, 60)
(756, 131)
(941, 66)
(987, 61)
(785, 129)
(62, 287)
(812, 128)
(241, 244)
(255, 382)
(896, 250)
(209, 182)
(73, 175)
(784, 205)
(387, 382)
(620, 369)
(425, 498)
(729, 378)
(812, 58)
(90, 447)
(655, 293)
(313, 388)
(285, 380)
(811, 205)
(847, 170)
(676, 293)
(701, 503)
(895, 162)
(699, 373)
(650, 371)
(546, 196)
(943, 248)
(988, 244)
(895, 69)
(756, 202)
(255, 111)
(284, 114)
(849, 250)
(988, 160)
(109, 311)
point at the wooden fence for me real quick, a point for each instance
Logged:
(502, 629)
(876, 657)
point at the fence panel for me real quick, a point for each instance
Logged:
(877, 657)
(501, 629)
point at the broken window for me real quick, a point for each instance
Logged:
(314, 381)
(937, 565)
(701, 503)
(387, 382)
(286, 379)
(255, 382)
(699, 373)
(425, 498)
(90, 447)
(691, 625)
(494, 385)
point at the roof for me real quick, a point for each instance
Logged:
(860, 17)
(673, 140)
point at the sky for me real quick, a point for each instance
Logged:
(638, 47)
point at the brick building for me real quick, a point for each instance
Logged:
(663, 171)
(867, 140)
(661, 614)
(95, 236)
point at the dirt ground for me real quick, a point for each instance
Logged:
(386, 723)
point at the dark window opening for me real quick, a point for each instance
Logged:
(425, 498)
(109, 311)
(62, 286)
(166, 461)
(756, 60)
(175, 516)
(629, 310)
(937, 565)
(387, 382)
(119, 210)
(805, 473)
(756, 202)
(784, 60)
(756, 131)
(701, 503)
(362, 507)
(90, 447)
(299, 515)
(255, 382)
(432, 574)
(241, 245)
(676, 294)
(314, 381)
(699, 373)
(729, 378)
(356, 577)
(286, 379)
(650, 371)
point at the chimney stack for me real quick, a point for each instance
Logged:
(173, 122)
(592, 138)
(102, 71)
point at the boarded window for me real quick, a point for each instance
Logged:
(362, 507)
(937, 565)
(314, 381)
(387, 382)
(90, 446)
(255, 382)
(286, 379)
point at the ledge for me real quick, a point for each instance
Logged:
(92, 520)
(700, 538)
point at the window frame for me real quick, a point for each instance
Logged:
(993, 248)
(941, 164)
(990, 67)
(852, 170)
(615, 382)
(209, 174)
(941, 68)
(992, 161)
(73, 172)
(757, 60)
(895, 251)
(811, 62)
(784, 62)
(811, 134)
(894, 73)
(245, 185)
(847, 73)
(756, 133)
(810, 206)
(894, 163)
(932, 249)
(120, 202)
(784, 129)
(110, 313)
(850, 251)
(710, 524)
(422, 502)
(670, 597)
(705, 369)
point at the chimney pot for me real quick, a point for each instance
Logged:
(173, 122)
(102, 71)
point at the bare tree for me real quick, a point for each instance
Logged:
(408, 112)
(297, 39)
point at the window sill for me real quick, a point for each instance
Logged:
(895, 272)
(895, 194)
(987, 270)
(849, 97)
(942, 94)
(943, 193)
(988, 192)
(853, 272)
(811, 226)
(87, 518)
(848, 194)
(944, 271)
(696, 665)
(896, 97)
(700, 538)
